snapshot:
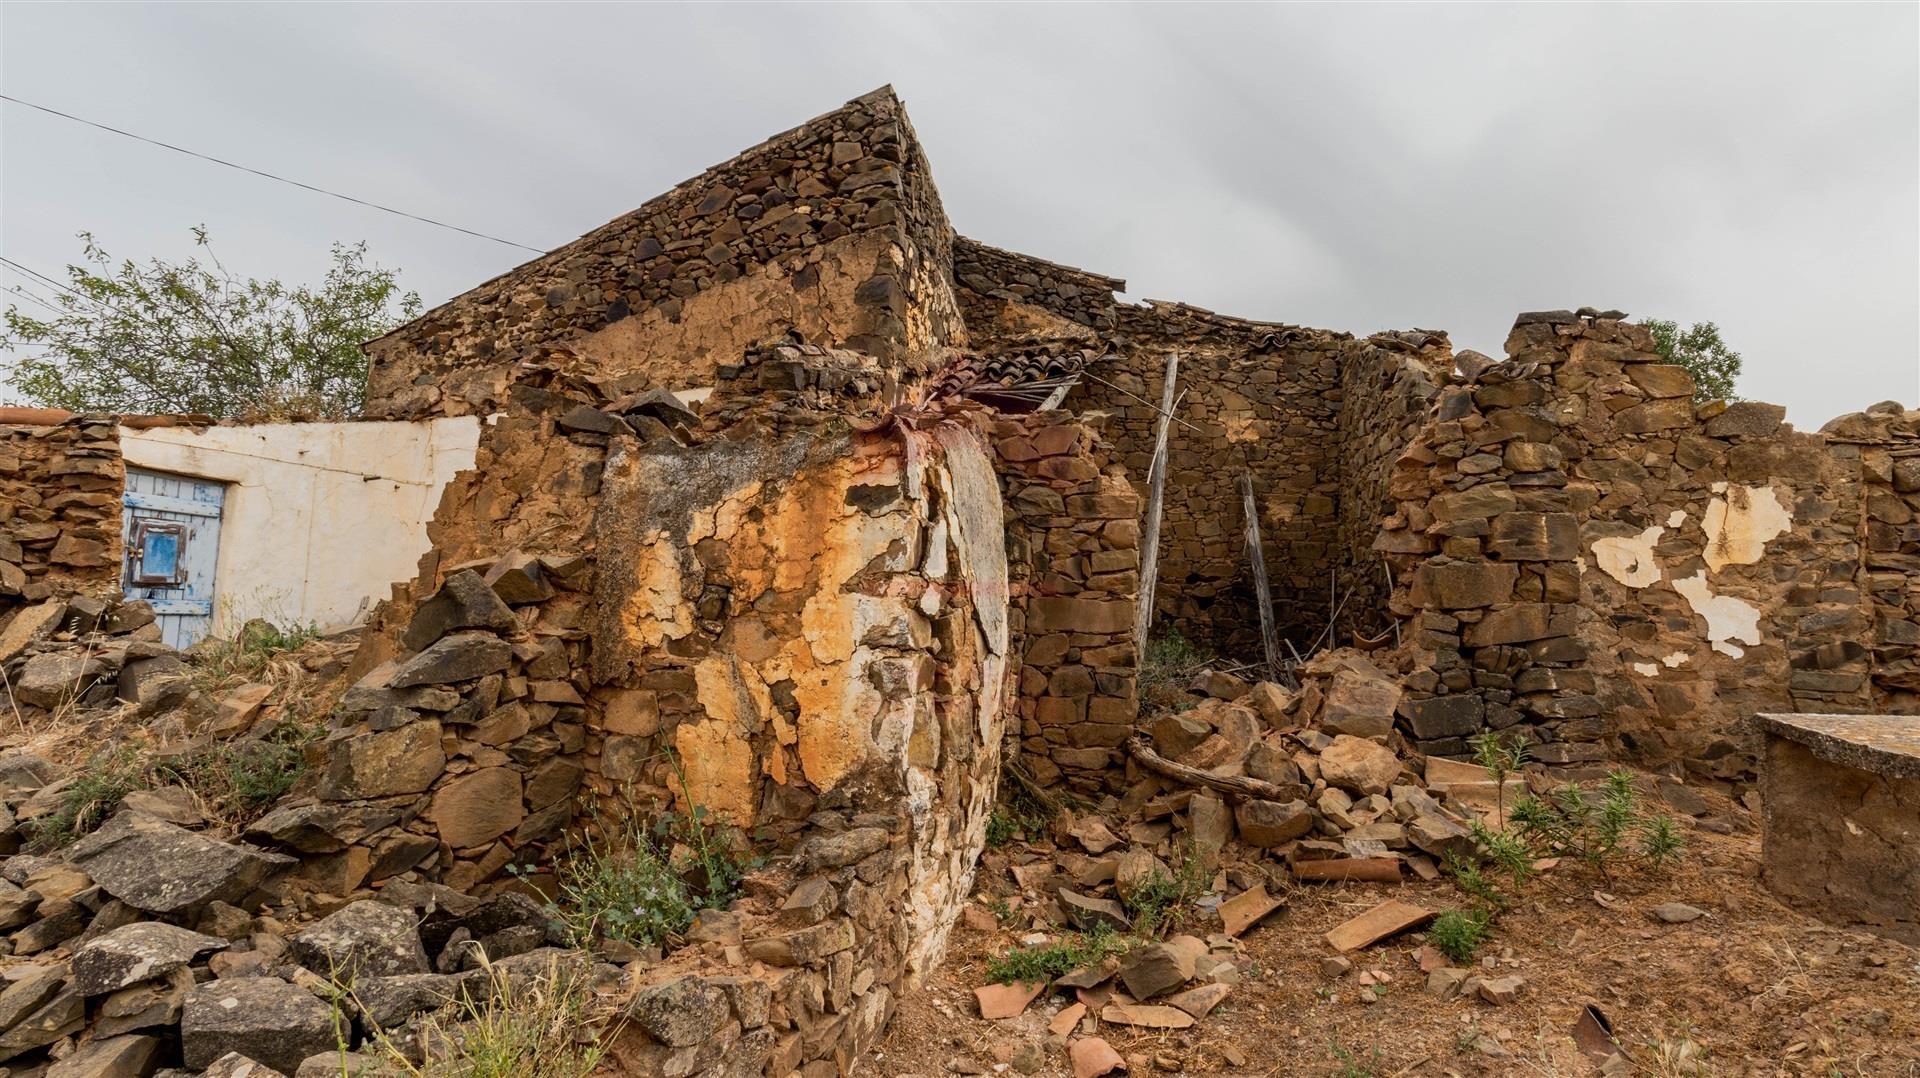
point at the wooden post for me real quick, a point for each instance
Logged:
(1261, 595)
(1150, 534)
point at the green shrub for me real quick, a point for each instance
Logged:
(1459, 934)
(1603, 832)
(1056, 959)
(1157, 904)
(615, 885)
(642, 882)
(1170, 663)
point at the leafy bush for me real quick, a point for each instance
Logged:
(1458, 934)
(1170, 663)
(1157, 904)
(618, 886)
(1603, 832)
(643, 883)
(1056, 959)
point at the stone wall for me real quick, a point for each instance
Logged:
(1000, 290)
(1073, 539)
(833, 229)
(1387, 385)
(60, 482)
(1591, 560)
(461, 756)
(1885, 442)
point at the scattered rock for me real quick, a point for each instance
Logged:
(1156, 969)
(1093, 1057)
(1361, 766)
(136, 952)
(262, 1018)
(162, 868)
(1678, 913)
(364, 939)
(1145, 1016)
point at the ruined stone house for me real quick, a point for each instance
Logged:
(792, 502)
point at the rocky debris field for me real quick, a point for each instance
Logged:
(1696, 971)
(1261, 899)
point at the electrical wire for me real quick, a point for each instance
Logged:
(271, 176)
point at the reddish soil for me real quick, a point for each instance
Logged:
(1754, 988)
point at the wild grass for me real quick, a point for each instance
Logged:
(1063, 956)
(1160, 902)
(525, 1026)
(251, 655)
(233, 782)
(1166, 669)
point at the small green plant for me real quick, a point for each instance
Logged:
(1157, 903)
(1032, 964)
(1002, 912)
(1458, 934)
(1501, 756)
(1601, 832)
(709, 858)
(1170, 663)
(1468, 876)
(1350, 1064)
(615, 884)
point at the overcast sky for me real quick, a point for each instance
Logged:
(1357, 167)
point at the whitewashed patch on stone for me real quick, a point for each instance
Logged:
(1728, 619)
(1741, 523)
(1629, 558)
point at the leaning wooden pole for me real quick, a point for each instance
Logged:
(1150, 533)
(1261, 594)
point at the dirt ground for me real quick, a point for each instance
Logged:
(1754, 988)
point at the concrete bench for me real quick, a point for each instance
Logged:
(1842, 801)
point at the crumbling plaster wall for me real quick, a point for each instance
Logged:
(833, 229)
(1592, 561)
(319, 517)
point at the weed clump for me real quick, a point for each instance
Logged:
(1170, 663)
(1031, 964)
(1458, 934)
(1158, 903)
(643, 883)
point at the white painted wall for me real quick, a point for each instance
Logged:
(320, 517)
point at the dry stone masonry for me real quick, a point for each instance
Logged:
(60, 484)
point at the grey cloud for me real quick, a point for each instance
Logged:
(1357, 166)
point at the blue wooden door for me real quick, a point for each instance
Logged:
(171, 525)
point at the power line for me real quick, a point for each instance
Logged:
(271, 176)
